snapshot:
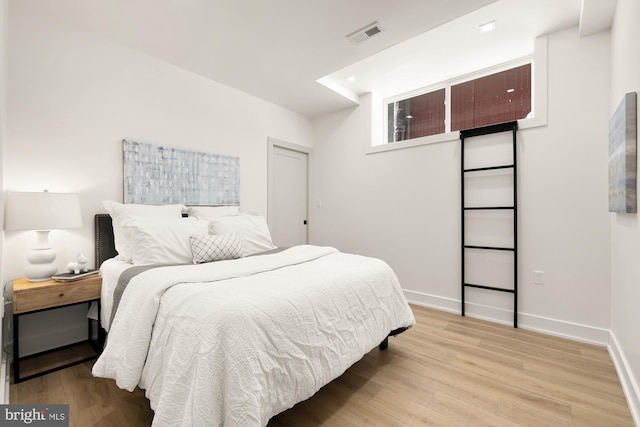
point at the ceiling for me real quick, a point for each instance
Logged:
(277, 50)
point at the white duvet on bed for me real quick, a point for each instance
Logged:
(110, 270)
(235, 342)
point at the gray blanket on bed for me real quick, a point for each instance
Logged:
(123, 281)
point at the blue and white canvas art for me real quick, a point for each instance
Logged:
(622, 156)
(158, 175)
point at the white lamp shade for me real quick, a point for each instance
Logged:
(42, 211)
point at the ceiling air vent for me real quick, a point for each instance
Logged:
(365, 33)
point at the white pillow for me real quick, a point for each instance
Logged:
(163, 242)
(252, 230)
(122, 214)
(210, 212)
(208, 248)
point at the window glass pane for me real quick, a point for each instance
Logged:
(462, 112)
(415, 117)
(498, 98)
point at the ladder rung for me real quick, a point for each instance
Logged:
(491, 288)
(489, 168)
(494, 248)
(488, 208)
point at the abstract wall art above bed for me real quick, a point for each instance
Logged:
(158, 175)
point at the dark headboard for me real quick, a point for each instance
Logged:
(105, 245)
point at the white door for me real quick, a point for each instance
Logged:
(288, 197)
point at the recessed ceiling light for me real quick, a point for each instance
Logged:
(489, 26)
(351, 79)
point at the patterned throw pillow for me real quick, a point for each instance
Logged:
(208, 247)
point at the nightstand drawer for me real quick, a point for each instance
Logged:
(29, 297)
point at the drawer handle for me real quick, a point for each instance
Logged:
(61, 295)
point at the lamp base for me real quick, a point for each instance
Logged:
(41, 266)
(34, 280)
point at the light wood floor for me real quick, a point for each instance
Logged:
(446, 371)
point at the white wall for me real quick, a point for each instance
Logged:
(625, 228)
(403, 206)
(72, 97)
(3, 119)
(4, 395)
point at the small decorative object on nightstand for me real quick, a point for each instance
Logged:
(72, 277)
(30, 297)
(78, 266)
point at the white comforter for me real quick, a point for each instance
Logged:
(235, 342)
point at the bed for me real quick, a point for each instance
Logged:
(237, 340)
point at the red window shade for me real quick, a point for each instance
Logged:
(498, 98)
(462, 109)
(427, 112)
(415, 117)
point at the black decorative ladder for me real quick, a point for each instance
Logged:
(469, 133)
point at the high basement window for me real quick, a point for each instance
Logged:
(495, 98)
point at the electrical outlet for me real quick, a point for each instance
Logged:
(538, 277)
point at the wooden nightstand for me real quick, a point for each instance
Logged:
(31, 297)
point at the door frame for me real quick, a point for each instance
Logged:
(271, 144)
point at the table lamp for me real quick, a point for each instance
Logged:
(42, 212)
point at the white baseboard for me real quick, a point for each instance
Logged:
(629, 383)
(561, 328)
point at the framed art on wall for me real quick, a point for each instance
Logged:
(158, 175)
(622, 156)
